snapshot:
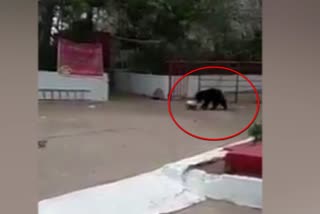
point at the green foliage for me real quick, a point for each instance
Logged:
(256, 132)
(152, 58)
(79, 31)
(156, 19)
(46, 53)
(149, 60)
(170, 21)
(175, 19)
(242, 50)
(255, 46)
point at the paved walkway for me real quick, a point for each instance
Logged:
(92, 145)
(218, 207)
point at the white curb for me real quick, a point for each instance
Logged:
(168, 189)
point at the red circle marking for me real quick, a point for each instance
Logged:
(220, 138)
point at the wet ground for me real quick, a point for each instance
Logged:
(97, 143)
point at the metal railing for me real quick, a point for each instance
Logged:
(63, 94)
(206, 77)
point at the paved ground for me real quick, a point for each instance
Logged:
(125, 137)
(218, 207)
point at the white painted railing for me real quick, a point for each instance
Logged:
(146, 84)
(52, 85)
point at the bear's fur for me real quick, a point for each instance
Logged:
(213, 96)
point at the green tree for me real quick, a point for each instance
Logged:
(46, 53)
(256, 132)
(68, 12)
(189, 29)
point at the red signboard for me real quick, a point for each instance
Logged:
(81, 59)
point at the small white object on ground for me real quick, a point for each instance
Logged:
(191, 102)
(92, 106)
(43, 117)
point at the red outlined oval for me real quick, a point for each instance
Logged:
(220, 138)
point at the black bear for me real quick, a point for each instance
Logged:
(213, 96)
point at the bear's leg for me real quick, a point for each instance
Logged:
(214, 105)
(224, 104)
(205, 105)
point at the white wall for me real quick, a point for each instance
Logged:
(241, 190)
(146, 84)
(141, 84)
(98, 86)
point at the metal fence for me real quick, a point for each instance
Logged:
(63, 94)
(208, 78)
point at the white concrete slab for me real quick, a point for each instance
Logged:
(170, 188)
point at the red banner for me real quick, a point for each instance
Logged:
(82, 59)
